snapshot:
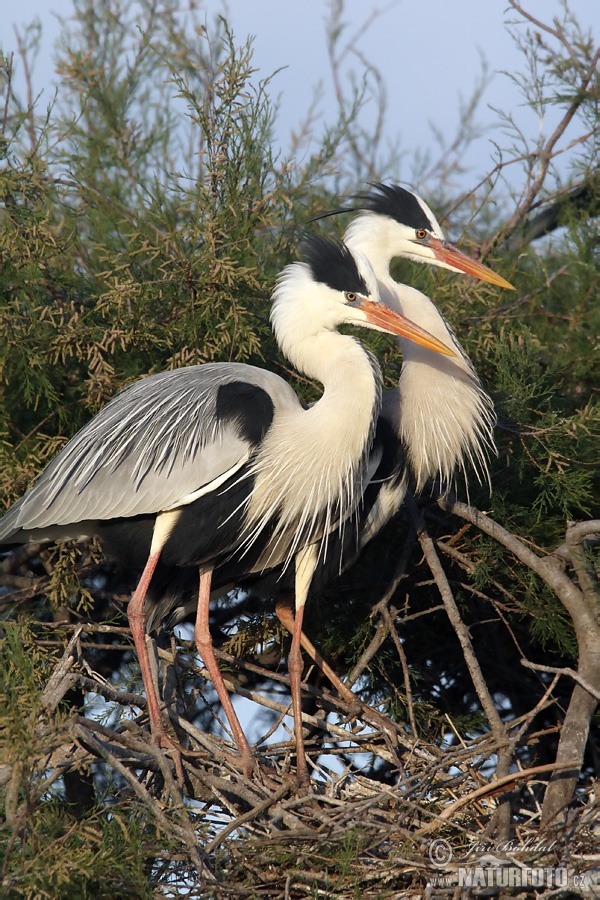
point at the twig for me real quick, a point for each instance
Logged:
(405, 673)
(59, 682)
(528, 718)
(583, 606)
(30, 105)
(493, 787)
(459, 626)
(570, 673)
(281, 791)
(383, 626)
(545, 153)
(547, 568)
(185, 833)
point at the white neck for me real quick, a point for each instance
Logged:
(439, 410)
(310, 467)
(372, 235)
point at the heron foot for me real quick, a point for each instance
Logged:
(247, 763)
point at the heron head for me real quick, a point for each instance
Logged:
(333, 286)
(395, 222)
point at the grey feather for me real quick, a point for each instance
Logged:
(149, 449)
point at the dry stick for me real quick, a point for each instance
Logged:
(548, 568)
(570, 673)
(110, 693)
(467, 564)
(16, 815)
(405, 671)
(369, 715)
(467, 767)
(382, 630)
(341, 733)
(185, 833)
(364, 743)
(248, 816)
(584, 608)
(542, 703)
(499, 731)
(60, 681)
(133, 750)
(18, 582)
(18, 557)
(462, 632)
(89, 627)
(499, 610)
(501, 784)
(382, 725)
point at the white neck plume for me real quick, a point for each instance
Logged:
(439, 410)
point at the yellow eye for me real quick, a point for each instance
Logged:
(421, 234)
(350, 297)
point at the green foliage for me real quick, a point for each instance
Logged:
(103, 856)
(25, 669)
(48, 851)
(145, 215)
(141, 259)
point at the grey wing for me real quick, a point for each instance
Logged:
(161, 443)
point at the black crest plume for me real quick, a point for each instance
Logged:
(333, 264)
(387, 200)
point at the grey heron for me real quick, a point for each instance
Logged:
(436, 420)
(438, 416)
(220, 464)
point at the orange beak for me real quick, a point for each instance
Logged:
(450, 255)
(379, 316)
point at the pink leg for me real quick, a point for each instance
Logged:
(283, 608)
(205, 648)
(295, 667)
(135, 613)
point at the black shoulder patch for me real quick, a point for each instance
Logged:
(396, 202)
(333, 264)
(250, 407)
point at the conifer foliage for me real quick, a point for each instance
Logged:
(145, 214)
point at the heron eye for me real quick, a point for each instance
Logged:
(350, 297)
(421, 234)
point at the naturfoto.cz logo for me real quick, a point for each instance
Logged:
(491, 871)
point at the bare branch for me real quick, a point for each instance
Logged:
(570, 673)
(459, 626)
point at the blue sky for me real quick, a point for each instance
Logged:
(429, 55)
